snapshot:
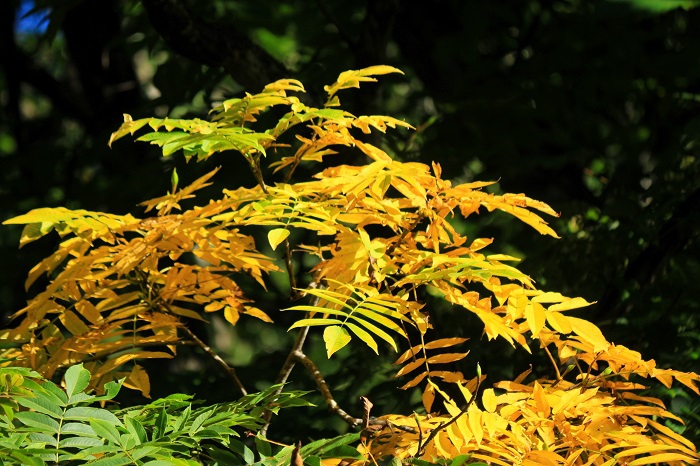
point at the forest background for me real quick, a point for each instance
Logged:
(589, 106)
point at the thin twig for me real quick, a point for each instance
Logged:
(290, 266)
(333, 407)
(551, 358)
(254, 162)
(156, 297)
(332, 404)
(284, 373)
(230, 370)
(445, 425)
(420, 431)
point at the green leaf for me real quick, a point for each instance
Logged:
(460, 460)
(77, 380)
(135, 428)
(336, 338)
(111, 390)
(42, 404)
(160, 424)
(53, 392)
(86, 414)
(83, 442)
(343, 451)
(76, 428)
(263, 446)
(40, 437)
(222, 456)
(276, 236)
(112, 461)
(322, 447)
(199, 421)
(143, 451)
(182, 419)
(39, 420)
(106, 430)
(244, 451)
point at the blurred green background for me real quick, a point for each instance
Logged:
(591, 106)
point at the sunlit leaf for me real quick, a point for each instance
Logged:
(276, 236)
(336, 338)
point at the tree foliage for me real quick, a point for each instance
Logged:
(382, 238)
(43, 423)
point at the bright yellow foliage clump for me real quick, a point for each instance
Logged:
(119, 293)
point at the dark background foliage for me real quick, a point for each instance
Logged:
(590, 106)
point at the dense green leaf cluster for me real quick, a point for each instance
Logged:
(42, 423)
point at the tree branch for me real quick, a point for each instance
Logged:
(229, 370)
(445, 425)
(323, 388)
(213, 44)
(284, 373)
(287, 367)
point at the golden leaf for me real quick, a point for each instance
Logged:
(428, 397)
(336, 338)
(590, 333)
(276, 236)
(489, 400)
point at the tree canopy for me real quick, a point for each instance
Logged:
(591, 107)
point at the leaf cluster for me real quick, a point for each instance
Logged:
(382, 235)
(46, 424)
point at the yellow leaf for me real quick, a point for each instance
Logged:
(231, 314)
(502, 257)
(88, 310)
(480, 243)
(138, 379)
(664, 458)
(590, 333)
(569, 303)
(656, 447)
(409, 354)
(255, 312)
(415, 381)
(73, 323)
(475, 424)
(364, 336)
(541, 402)
(549, 297)
(276, 236)
(428, 397)
(489, 400)
(336, 338)
(446, 357)
(444, 342)
(535, 316)
(352, 78)
(544, 458)
(559, 322)
(181, 311)
(381, 184)
(666, 431)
